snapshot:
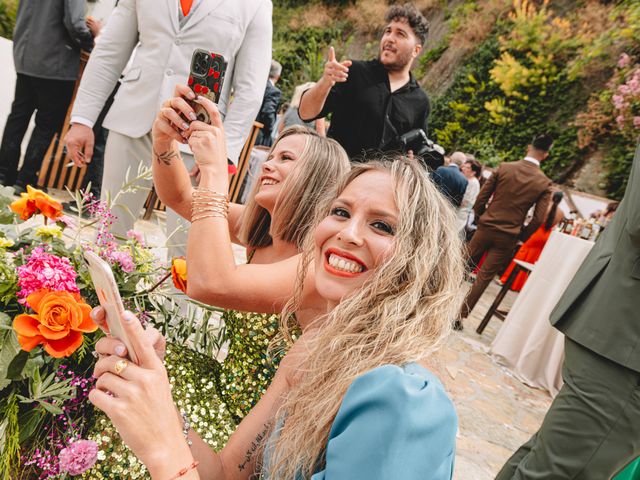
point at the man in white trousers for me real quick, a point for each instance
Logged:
(164, 34)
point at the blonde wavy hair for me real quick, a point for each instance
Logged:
(320, 163)
(403, 313)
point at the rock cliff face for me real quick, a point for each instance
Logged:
(499, 71)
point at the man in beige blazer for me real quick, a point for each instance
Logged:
(164, 35)
(513, 189)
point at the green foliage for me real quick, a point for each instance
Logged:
(9, 348)
(47, 393)
(9, 438)
(303, 52)
(513, 87)
(618, 162)
(431, 56)
(8, 10)
(199, 327)
(533, 75)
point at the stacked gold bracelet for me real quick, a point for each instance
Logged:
(208, 203)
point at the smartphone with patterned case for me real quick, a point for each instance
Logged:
(206, 78)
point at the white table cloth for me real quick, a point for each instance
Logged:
(527, 343)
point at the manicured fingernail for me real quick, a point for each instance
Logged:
(128, 317)
(94, 313)
(185, 126)
(191, 95)
(120, 350)
(192, 116)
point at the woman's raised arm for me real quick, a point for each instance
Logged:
(171, 179)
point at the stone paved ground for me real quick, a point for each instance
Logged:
(497, 412)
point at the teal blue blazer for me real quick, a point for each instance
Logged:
(393, 423)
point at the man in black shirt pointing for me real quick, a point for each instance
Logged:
(374, 102)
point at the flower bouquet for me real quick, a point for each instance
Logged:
(47, 334)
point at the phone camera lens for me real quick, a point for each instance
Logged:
(201, 64)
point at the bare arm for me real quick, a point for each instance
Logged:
(238, 460)
(313, 100)
(214, 277)
(170, 176)
(141, 407)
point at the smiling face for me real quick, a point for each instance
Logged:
(356, 237)
(282, 160)
(399, 45)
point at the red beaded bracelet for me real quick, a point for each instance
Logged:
(184, 470)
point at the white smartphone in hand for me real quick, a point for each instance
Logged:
(109, 296)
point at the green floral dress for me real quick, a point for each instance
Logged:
(215, 396)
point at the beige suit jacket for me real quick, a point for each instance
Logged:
(239, 30)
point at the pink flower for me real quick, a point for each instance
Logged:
(636, 122)
(78, 457)
(45, 271)
(618, 101)
(620, 121)
(137, 236)
(67, 221)
(624, 60)
(122, 258)
(624, 89)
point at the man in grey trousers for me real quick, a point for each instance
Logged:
(592, 429)
(47, 40)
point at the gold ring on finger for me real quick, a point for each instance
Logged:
(120, 366)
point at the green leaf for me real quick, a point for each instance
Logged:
(9, 348)
(7, 217)
(29, 422)
(15, 368)
(52, 409)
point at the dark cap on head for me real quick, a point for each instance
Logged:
(542, 142)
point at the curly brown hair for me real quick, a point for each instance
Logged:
(413, 17)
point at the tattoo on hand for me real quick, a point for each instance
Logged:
(165, 157)
(253, 448)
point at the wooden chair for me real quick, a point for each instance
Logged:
(520, 266)
(53, 171)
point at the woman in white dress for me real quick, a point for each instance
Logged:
(472, 170)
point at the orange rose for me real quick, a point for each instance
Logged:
(36, 201)
(179, 273)
(60, 319)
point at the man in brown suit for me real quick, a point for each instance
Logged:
(516, 187)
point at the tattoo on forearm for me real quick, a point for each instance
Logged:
(165, 157)
(256, 444)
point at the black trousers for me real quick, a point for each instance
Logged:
(50, 100)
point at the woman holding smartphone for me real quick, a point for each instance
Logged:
(300, 167)
(352, 398)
